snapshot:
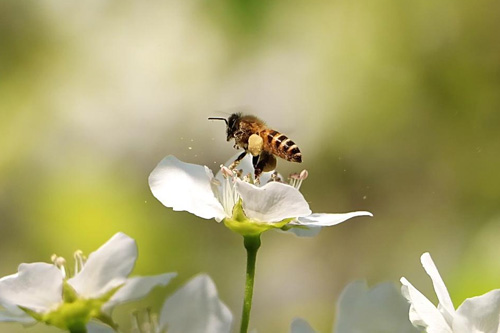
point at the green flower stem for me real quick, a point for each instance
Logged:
(78, 329)
(252, 244)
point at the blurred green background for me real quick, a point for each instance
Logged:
(394, 104)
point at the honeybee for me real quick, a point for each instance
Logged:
(263, 143)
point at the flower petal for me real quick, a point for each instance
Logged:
(379, 309)
(272, 202)
(36, 286)
(136, 288)
(23, 318)
(302, 230)
(422, 312)
(97, 327)
(107, 267)
(185, 187)
(479, 314)
(326, 220)
(300, 325)
(445, 303)
(196, 308)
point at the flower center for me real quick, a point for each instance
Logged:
(225, 189)
(60, 263)
(143, 321)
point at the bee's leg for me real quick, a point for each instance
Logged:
(237, 160)
(264, 162)
(258, 172)
(257, 169)
(255, 161)
(259, 162)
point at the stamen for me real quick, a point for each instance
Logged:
(215, 182)
(154, 322)
(60, 263)
(226, 172)
(293, 179)
(275, 177)
(248, 178)
(135, 322)
(149, 324)
(228, 195)
(79, 261)
(238, 172)
(143, 321)
(296, 179)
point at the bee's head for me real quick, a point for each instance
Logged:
(232, 125)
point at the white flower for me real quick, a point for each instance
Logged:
(97, 327)
(474, 315)
(196, 308)
(193, 188)
(193, 308)
(42, 292)
(300, 325)
(381, 308)
(367, 310)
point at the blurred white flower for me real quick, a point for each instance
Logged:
(43, 292)
(479, 314)
(195, 308)
(300, 325)
(97, 327)
(193, 188)
(381, 309)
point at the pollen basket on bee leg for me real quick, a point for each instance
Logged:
(255, 143)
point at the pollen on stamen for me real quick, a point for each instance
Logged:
(143, 321)
(296, 179)
(238, 172)
(135, 322)
(60, 263)
(248, 178)
(293, 179)
(80, 260)
(275, 177)
(226, 172)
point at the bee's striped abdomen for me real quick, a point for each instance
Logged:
(280, 145)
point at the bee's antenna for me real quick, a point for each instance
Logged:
(218, 118)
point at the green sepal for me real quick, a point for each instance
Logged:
(37, 316)
(69, 293)
(72, 316)
(107, 320)
(295, 226)
(244, 226)
(74, 313)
